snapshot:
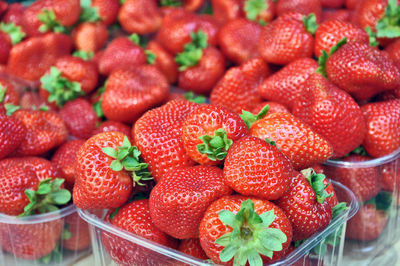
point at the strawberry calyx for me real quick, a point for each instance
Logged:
(127, 157)
(150, 57)
(325, 56)
(316, 181)
(382, 201)
(389, 25)
(11, 108)
(50, 22)
(253, 8)
(89, 13)
(372, 37)
(55, 255)
(97, 105)
(171, 3)
(3, 91)
(270, 141)
(249, 118)
(66, 234)
(60, 88)
(83, 55)
(191, 97)
(215, 147)
(310, 22)
(15, 32)
(193, 51)
(46, 197)
(250, 237)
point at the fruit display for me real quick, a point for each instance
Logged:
(195, 131)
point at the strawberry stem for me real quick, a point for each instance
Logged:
(193, 51)
(317, 183)
(215, 147)
(15, 32)
(249, 119)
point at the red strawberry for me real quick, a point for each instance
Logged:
(391, 176)
(352, 4)
(12, 134)
(238, 40)
(164, 61)
(121, 52)
(286, 85)
(107, 9)
(192, 247)
(383, 127)
(90, 37)
(219, 221)
(3, 7)
(329, 33)
(140, 16)
(158, 135)
(296, 140)
(76, 234)
(305, 7)
(64, 159)
(31, 58)
(50, 15)
(182, 197)
(209, 131)
(131, 92)
(32, 100)
(365, 182)
(109, 125)
(273, 108)
(339, 14)
(332, 3)
(237, 89)
(135, 218)
(394, 52)
(14, 14)
(332, 113)
(305, 205)
(45, 131)
(225, 10)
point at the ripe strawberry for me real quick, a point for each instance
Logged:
(189, 5)
(164, 61)
(45, 131)
(394, 52)
(331, 113)
(76, 234)
(89, 36)
(255, 168)
(158, 135)
(109, 125)
(131, 92)
(31, 58)
(332, 3)
(362, 70)
(107, 10)
(12, 134)
(329, 33)
(14, 14)
(140, 16)
(383, 127)
(339, 14)
(257, 219)
(3, 7)
(121, 52)
(182, 197)
(273, 108)
(296, 140)
(305, 205)
(237, 89)
(209, 131)
(32, 100)
(50, 15)
(64, 159)
(352, 4)
(226, 10)
(238, 40)
(286, 85)
(192, 247)
(305, 7)
(391, 176)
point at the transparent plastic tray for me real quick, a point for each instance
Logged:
(161, 255)
(22, 236)
(366, 252)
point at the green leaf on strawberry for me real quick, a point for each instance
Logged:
(11, 108)
(317, 183)
(61, 90)
(55, 256)
(325, 56)
(254, 8)
(215, 147)
(270, 141)
(389, 25)
(251, 235)
(66, 234)
(193, 51)
(89, 13)
(310, 22)
(3, 91)
(50, 22)
(15, 32)
(191, 97)
(128, 157)
(137, 39)
(372, 37)
(150, 57)
(171, 3)
(250, 119)
(83, 54)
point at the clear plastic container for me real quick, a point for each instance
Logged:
(57, 238)
(125, 244)
(367, 242)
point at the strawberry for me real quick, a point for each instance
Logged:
(64, 159)
(305, 7)
(109, 125)
(121, 52)
(31, 58)
(364, 182)
(140, 16)
(295, 139)
(305, 204)
(352, 4)
(164, 61)
(329, 33)
(178, 25)
(45, 131)
(273, 108)
(5, 47)
(391, 176)
(135, 218)
(50, 15)
(238, 40)
(254, 220)
(339, 14)
(12, 134)
(189, 5)
(10, 35)
(79, 117)
(69, 78)
(32, 100)
(75, 235)
(89, 36)
(209, 131)
(158, 135)
(394, 52)
(226, 10)
(286, 85)
(107, 10)
(182, 197)
(360, 69)
(255, 168)
(14, 14)
(131, 92)
(3, 7)
(383, 127)
(332, 3)
(192, 247)
(237, 89)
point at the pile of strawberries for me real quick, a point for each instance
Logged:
(86, 107)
